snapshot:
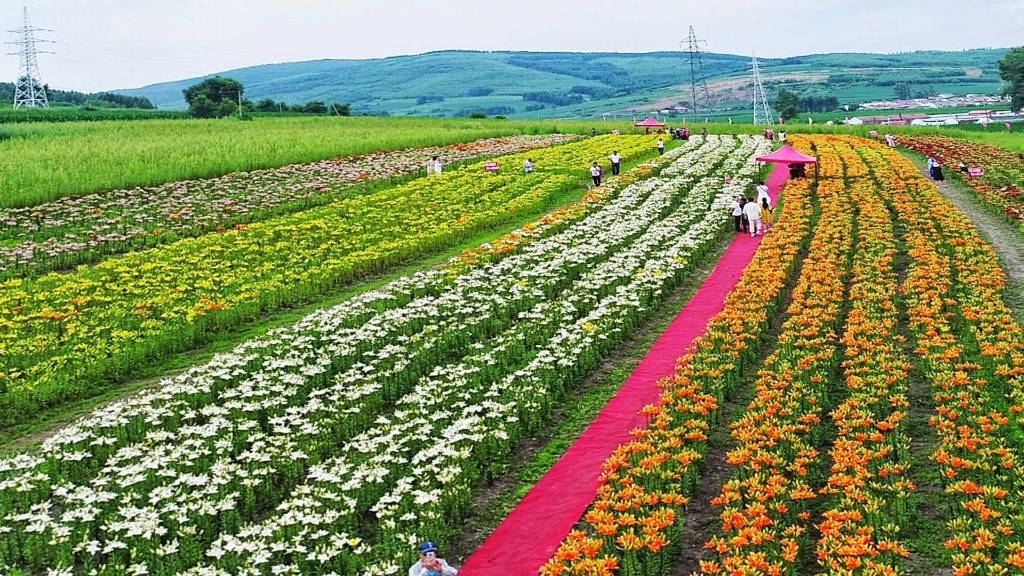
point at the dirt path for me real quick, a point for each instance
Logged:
(1008, 241)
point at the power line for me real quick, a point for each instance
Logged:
(29, 90)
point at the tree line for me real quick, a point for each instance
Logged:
(219, 97)
(73, 97)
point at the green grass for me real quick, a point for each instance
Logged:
(40, 162)
(80, 114)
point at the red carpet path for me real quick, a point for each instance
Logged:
(529, 536)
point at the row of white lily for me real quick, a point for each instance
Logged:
(374, 417)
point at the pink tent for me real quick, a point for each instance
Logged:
(649, 123)
(786, 155)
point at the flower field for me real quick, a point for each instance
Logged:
(309, 450)
(68, 335)
(896, 290)
(1002, 186)
(73, 230)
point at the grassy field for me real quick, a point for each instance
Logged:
(43, 161)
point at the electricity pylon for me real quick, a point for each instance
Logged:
(29, 90)
(699, 94)
(762, 111)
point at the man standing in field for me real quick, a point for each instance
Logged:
(752, 210)
(616, 162)
(595, 173)
(661, 146)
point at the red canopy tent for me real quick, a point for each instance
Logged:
(648, 124)
(787, 155)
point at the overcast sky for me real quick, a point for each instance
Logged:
(107, 44)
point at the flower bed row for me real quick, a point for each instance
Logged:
(972, 352)
(380, 412)
(1002, 186)
(633, 526)
(867, 487)
(68, 335)
(767, 502)
(70, 231)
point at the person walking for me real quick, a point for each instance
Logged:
(661, 146)
(438, 166)
(753, 213)
(931, 167)
(595, 173)
(744, 222)
(763, 193)
(528, 166)
(937, 172)
(766, 213)
(737, 213)
(430, 166)
(616, 162)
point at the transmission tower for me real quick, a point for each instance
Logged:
(762, 112)
(699, 94)
(28, 91)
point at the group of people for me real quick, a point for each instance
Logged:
(753, 215)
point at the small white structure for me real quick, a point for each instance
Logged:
(854, 121)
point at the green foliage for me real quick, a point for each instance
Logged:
(1011, 69)
(97, 100)
(787, 104)
(83, 114)
(606, 81)
(214, 97)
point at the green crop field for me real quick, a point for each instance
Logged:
(42, 161)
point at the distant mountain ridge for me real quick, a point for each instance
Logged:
(553, 84)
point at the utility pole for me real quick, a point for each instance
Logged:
(762, 112)
(240, 104)
(28, 90)
(699, 94)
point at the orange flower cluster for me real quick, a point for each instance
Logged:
(767, 503)
(868, 483)
(634, 523)
(973, 354)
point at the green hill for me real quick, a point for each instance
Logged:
(550, 84)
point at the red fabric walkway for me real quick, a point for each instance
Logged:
(529, 536)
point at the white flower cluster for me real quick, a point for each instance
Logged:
(334, 444)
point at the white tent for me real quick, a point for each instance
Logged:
(854, 121)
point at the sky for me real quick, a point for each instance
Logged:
(110, 44)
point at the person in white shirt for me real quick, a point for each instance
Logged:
(753, 212)
(430, 167)
(528, 166)
(595, 173)
(782, 136)
(661, 146)
(616, 162)
(763, 193)
(429, 564)
(438, 166)
(737, 213)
